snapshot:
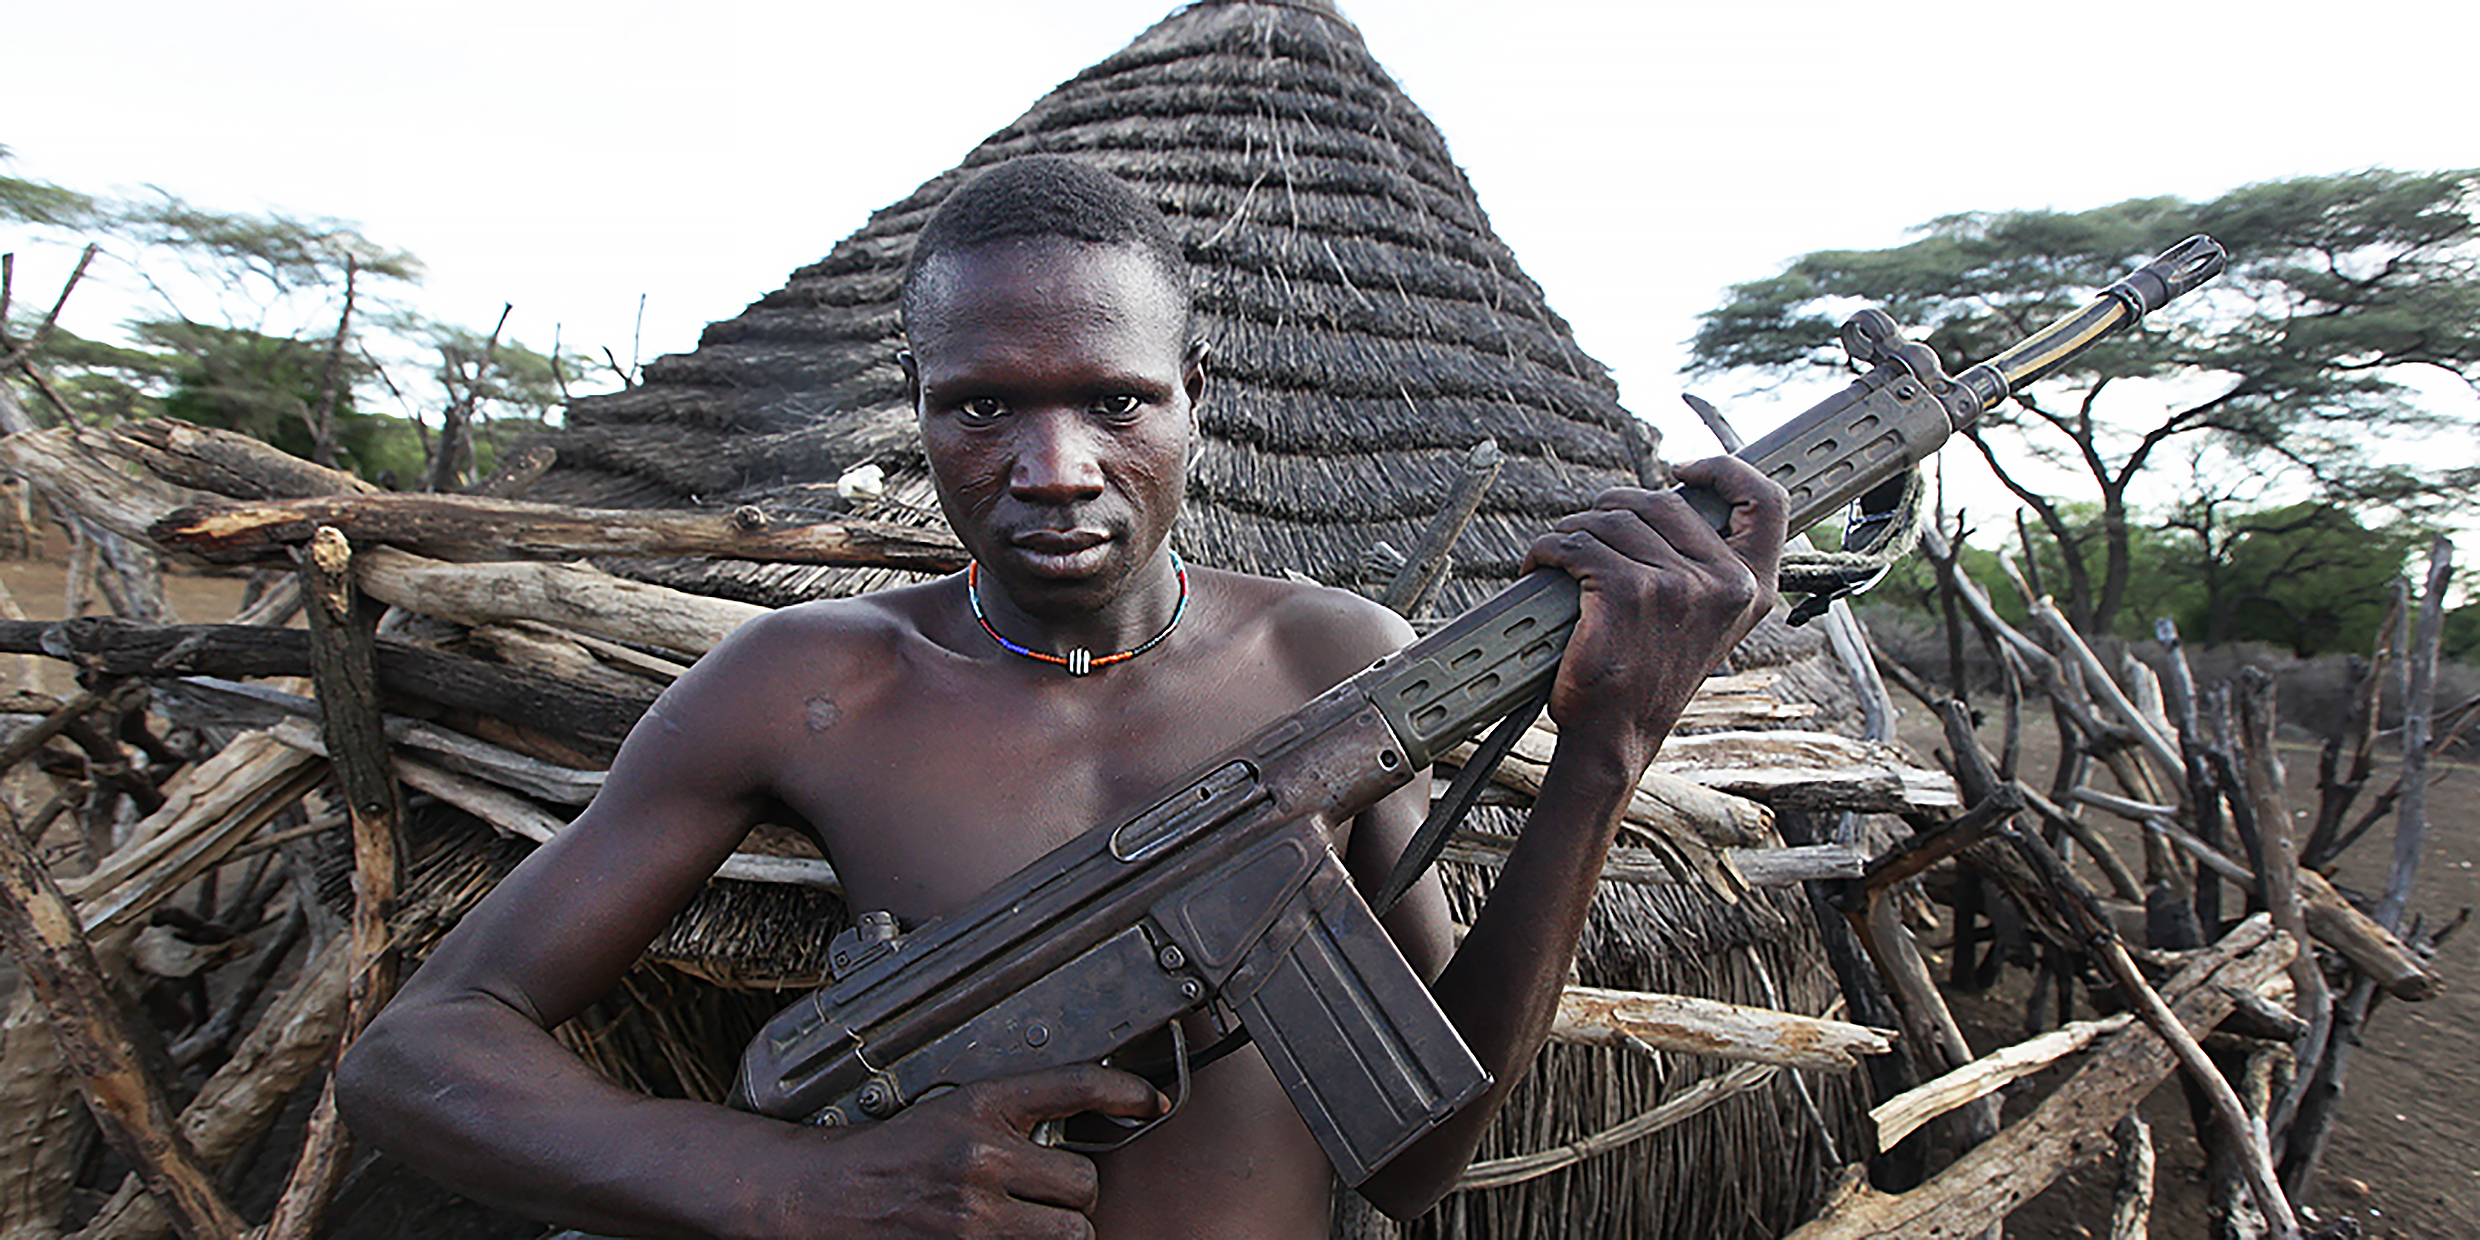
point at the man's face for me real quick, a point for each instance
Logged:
(1057, 397)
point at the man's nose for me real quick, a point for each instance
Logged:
(1058, 461)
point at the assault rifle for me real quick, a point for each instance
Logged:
(1223, 894)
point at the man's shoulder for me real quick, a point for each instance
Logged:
(1328, 632)
(862, 632)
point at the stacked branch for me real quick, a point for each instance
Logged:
(211, 766)
(2197, 773)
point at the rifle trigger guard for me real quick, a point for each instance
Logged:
(1136, 1128)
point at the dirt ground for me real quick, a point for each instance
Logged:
(2404, 1157)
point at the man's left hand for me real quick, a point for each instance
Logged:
(1665, 598)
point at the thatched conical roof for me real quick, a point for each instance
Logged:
(1368, 327)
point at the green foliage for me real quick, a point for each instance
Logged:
(2309, 577)
(2290, 360)
(2462, 634)
(266, 386)
(304, 319)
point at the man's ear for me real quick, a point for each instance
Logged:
(912, 378)
(1193, 371)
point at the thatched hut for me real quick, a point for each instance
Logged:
(1368, 329)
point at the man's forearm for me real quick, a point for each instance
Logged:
(513, 1120)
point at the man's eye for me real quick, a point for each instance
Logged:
(1119, 405)
(982, 409)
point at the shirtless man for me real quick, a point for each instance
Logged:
(932, 741)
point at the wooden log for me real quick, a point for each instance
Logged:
(470, 527)
(73, 467)
(2131, 1201)
(2420, 671)
(568, 596)
(1926, 1018)
(1641, 1021)
(544, 649)
(260, 707)
(1898, 1116)
(344, 667)
(44, 1129)
(207, 814)
(248, 1094)
(2277, 869)
(517, 816)
(225, 463)
(58, 966)
(528, 698)
(1806, 770)
(1756, 867)
(1986, 1183)
(2364, 941)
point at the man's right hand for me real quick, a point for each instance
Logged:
(964, 1163)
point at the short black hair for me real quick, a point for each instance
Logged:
(1044, 197)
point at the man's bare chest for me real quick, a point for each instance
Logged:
(924, 802)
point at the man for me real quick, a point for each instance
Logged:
(937, 738)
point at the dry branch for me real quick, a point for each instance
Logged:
(1896, 1117)
(527, 698)
(468, 527)
(295, 1038)
(1806, 770)
(56, 963)
(71, 465)
(567, 596)
(1985, 1184)
(2363, 940)
(520, 817)
(1692, 1026)
(207, 814)
(225, 463)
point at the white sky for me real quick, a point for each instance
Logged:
(1638, 157)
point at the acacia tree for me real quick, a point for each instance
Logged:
(270, 327)
(2338, 286)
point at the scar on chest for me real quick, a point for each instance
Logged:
(819, 713)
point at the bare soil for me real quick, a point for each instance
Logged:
(2404, 1157)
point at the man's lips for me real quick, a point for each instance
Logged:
(1057, 542)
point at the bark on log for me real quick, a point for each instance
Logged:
(225, 463)
(2368, 945)
(44, 1129)
(1756, 867)
(1688, 1025)
(1806, 770)
(585, 599)
(296, 1037)
(531, 699)
(207, 813)
(517, 816)
(2131, 1204)
(59, 967)
(74, 468)
(1896, 1117)
(473, 527)
(1981, 1187)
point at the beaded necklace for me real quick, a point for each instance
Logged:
(1079, 661)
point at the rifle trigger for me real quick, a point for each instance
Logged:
(1133, 1128)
